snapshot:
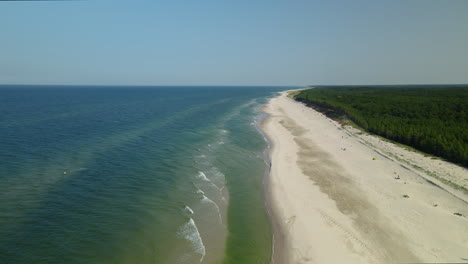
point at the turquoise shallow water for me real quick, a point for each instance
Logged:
(132, 175)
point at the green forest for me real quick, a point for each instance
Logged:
(433, 119)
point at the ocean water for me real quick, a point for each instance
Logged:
(132, 175)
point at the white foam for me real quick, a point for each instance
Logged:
(207, 200)
(189, 231)
(202, 176)
(188, 209)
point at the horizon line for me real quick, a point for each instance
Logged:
(226, 85)
(153, 85)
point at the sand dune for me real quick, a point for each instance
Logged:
(339, 199)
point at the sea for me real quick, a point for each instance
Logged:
(130, 174)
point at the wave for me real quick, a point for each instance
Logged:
(217, 175)
(202, 176)
(207, 200)
(188, 209)
(189, 232)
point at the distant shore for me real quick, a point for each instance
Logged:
(340, 197)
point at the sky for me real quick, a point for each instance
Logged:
(237, 42)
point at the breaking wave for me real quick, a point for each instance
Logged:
(189, 232)
(207, 200)
(202, 176)
(188, 210)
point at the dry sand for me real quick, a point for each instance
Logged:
(341, 198)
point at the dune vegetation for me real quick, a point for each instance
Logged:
(432, 119)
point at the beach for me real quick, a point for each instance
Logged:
(341, 196)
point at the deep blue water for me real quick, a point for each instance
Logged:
(132, 175)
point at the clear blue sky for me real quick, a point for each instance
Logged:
(238, 42)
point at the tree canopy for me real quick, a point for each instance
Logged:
(431, 119)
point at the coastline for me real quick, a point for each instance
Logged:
(333, 198)
(279, 254)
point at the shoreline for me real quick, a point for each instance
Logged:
(279, 254)
(316, 217)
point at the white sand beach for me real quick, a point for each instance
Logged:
(341, 197)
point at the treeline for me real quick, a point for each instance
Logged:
(433, 119)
